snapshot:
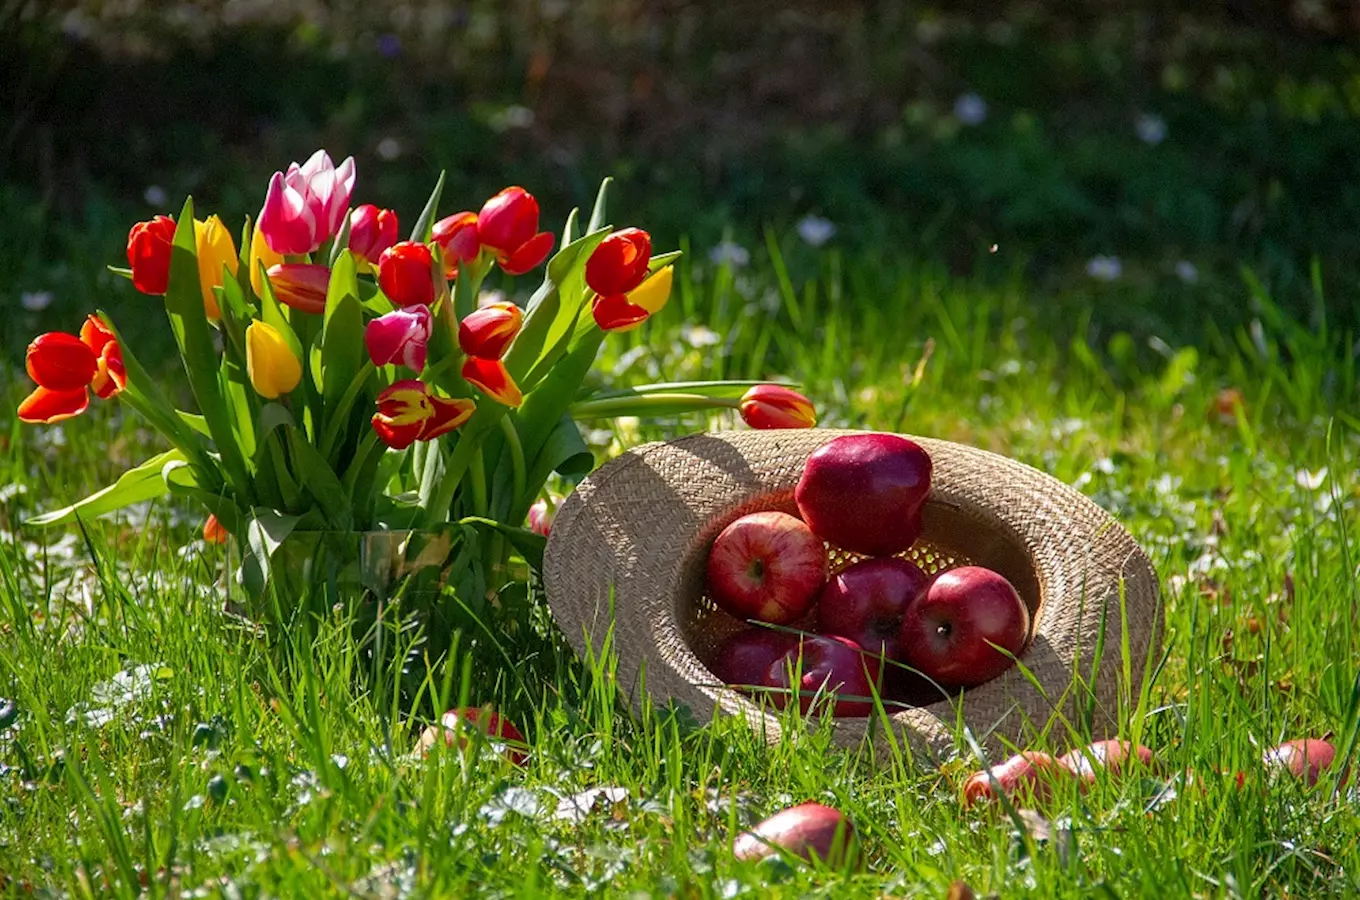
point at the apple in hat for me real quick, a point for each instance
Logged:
(865, 492)
(745, 657)
(948, 633)
(830, 667)
(866, 602)
(766, 566)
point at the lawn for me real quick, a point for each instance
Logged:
(148, 744)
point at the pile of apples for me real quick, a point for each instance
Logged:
(864, 493)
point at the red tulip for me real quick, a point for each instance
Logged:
(66, 366)
(213, 532)
(487, 333)
(302, 286)
(148, 253)
(619, 264)
(404, 274)
(455, 725)
(491, 377)
(457, 237)
(624, 312)
(401, 336)
(508, 224)
(773, 406)
(371, 231)
(408, 412)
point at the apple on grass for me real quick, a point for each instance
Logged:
(827, 667)
(766, 566)
(949, 632)
(867, 601)
(866, 492)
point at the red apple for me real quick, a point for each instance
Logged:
(745, 657)
(766, 566)
(456, 727)
(1304, 759)
(808, 830)
(830, 667)
(865, 602)
(947, 634)
(1112, 756)
(1028, 776)
(865, 492)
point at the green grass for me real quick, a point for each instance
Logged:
(207, 768)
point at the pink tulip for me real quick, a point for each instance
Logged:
(371, 231)
(541, 517)
(400, 336)
(306, 205)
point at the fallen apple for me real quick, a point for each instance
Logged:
(866, 601)
(1028, 775)
(949, 631)
(1111, 756)
(1305, 758)
(829, 667)
(745, 657)
(865, 492)
(807, 831)
(455, 728)
(766, 566)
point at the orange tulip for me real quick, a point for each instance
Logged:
(409, 412)
(774, 406)
(491, 377)
(487, 333)
(66, 367)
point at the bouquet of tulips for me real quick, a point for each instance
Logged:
(348, 381)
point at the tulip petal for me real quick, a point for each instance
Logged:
(617, 314)
(491, 377)
(528, 255)
(619, 263)
(44, 406)
(110, 377)
(400, 336)
(775, 406)
(508, 220)
(653, 294)
(447, 414)
(60, 362)
(301, 286)
(213, 532)
(487, 332)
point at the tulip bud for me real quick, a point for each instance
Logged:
(625, 312)
(487, 332)
(261, 254)
(302, 286)
(216, 251)
(148, 253)
(110, 376)
(270, 362)
(457, 236)
(371, 231)
(774, 406)
(401, 336)
(306, 204)
(213, 532)
(619, 263)
(508, 224)
(404, 274)
(541, 516)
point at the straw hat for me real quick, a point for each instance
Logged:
(628, 551)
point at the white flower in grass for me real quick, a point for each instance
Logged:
(1187, 272)
(155, 195)
(970, 109)
(1310, 481)
(729, 253)
(1105, 268)
(36, 301)
(816, 231)
(1151, 129)
(700, 336)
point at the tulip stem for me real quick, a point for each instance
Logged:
(664, 403)
(477, 483)
(341, 412)
(516, 449)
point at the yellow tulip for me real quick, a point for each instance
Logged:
(653, 293)
(270, 362)
(216, 250)
(261, 252)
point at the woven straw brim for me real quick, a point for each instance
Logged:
(629, 547)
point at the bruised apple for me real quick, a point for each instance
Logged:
(948, 633)
(865, 492)
(827, 666)
(867, 601)
(766, 566)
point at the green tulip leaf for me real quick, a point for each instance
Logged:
(425, 223)
(342, 335)
(528, 544)
(136, 485)
(601, 203)
(265, 530)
